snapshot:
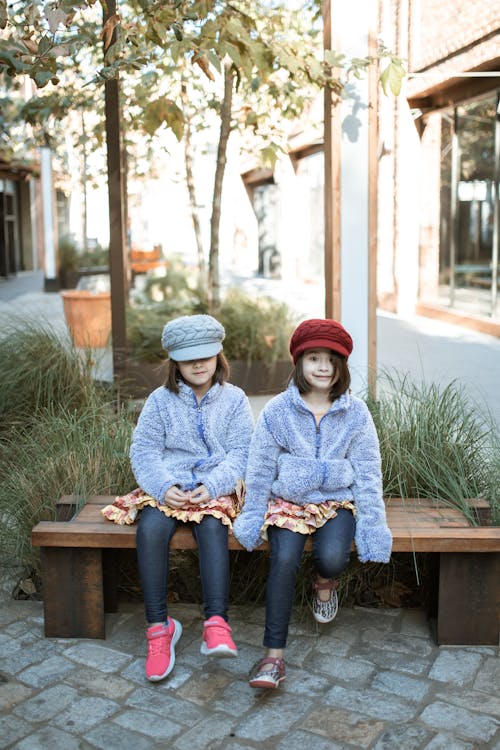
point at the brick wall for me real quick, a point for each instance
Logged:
(445, 28)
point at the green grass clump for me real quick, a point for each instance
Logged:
(60, 433)
(436, 443)
(37, 371)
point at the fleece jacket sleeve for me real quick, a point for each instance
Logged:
(373, 537)
(261, 472)
(146, 452)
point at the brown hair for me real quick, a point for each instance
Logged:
(221, 373)
(340, 372)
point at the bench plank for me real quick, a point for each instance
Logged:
(418, 528)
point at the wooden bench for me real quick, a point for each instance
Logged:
(79, 574)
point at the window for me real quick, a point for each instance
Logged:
(469, 231)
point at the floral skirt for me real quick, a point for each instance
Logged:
(304, 519)
(125, 508)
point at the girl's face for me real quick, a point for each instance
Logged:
(198, 373)
(319, 368)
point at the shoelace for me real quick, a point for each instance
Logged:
(159, 644)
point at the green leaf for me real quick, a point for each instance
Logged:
(335, 59)
(392, 77)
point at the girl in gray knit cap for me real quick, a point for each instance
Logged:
(313, 469)
(188, 455)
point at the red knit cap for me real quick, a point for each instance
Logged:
(321, 334)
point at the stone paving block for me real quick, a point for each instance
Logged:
(22, 657)
(9, 612)
(402, 738)
(343, 726)
(447, 742)
(300, 682)
(298, 650)
(147, 723)
(488, 675)
(240, 667)
(90, 682)
(344, 634)
(394, 661)
(237, 699)
(12, 729)
(47, 704)
(100, 657)
(332, 645)
(23, 630)
(402, 685)
(204, 687)
(135, 671)
(475, 700)
(459, 721)
(85, 713)
(397, 643)
(456, 667)
(341, 668)
(299, 740)
(206, 733)
(276, 714)
(110, 736)
(49, 737)
(53, 669)
(414, 622)
(368, 702)
(161, 702)
(12, 693)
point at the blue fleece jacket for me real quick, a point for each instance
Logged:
(293, 458)
(180, 442)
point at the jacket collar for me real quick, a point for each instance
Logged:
(186, 393)
(298, 402)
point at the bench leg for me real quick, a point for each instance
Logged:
(110, 579)
(73, 598)
(469, 599)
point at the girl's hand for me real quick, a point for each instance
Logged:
(176, 498)
(199, 495)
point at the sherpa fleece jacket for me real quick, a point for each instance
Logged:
(180, 442)
(339, 459)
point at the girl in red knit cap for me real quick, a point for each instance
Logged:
(314, 469)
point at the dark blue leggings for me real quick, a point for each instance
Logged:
(154, 533)
(331, 550)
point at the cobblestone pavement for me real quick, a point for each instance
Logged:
(373, 678)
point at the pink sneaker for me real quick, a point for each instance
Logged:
(161, 649)
(217, 639)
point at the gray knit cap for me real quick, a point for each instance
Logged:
(192, 337)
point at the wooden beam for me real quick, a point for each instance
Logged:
(332, 134)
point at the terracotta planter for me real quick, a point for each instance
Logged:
(88, 316)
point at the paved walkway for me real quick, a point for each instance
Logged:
(371, 679)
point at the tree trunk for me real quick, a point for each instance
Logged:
(195, 217)
(225, 130)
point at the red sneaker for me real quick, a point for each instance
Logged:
(217, 639)
(161, 649)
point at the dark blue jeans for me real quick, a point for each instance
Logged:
(331, 549)
(154, 533)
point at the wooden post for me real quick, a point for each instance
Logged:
(332, 135)
(116, 193)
